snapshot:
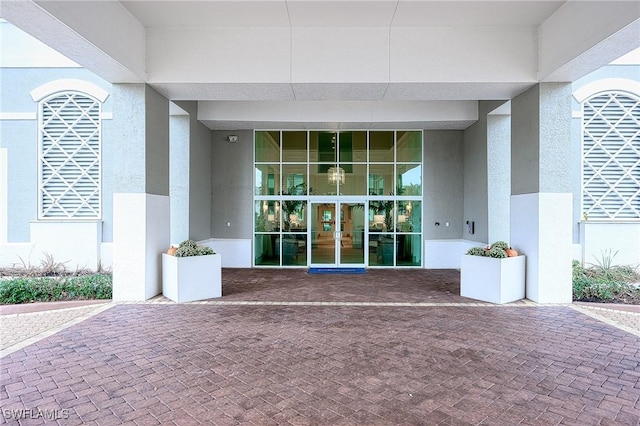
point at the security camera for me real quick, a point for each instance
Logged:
(232, 138)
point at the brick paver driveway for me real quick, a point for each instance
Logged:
(393, 361)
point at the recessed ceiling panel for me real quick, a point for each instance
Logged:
(209, 13)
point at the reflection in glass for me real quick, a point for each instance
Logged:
(267, 146)
(353, 147)
(409, 146)
(267, 179)
(294, 146)
(409, 179)
(381, 179)
(409, 250)
(408, 218)
(267, 215)
(319, 180)
(355, 180)
(267, 251)
(294, 215)
(380, 249)
(381, 146)
(294, 249)
(294, 179)
(322, 147)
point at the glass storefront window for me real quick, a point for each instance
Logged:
(408, 251)
(323, 147)
(381, 146)
(294, 215)
(294, 179)
(295, 170)
(409, 147)
(294, 147)
(355, 182)
(267, 145)
(294, 249)
(267, 215)
(353, 147)
(409, 179)
(408, 218)
(381, 249)
(381, 179)
(319, 180)
(267, 252)
(267, 179)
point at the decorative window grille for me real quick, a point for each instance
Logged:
(69, 172)
(611, 156)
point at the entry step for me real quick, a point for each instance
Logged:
(337, 270)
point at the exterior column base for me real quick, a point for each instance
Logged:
(140, 235)
(541, 230)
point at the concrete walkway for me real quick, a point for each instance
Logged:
(284, 347)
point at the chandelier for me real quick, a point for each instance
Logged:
(335, 174)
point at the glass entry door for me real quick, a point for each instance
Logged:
(337, 234)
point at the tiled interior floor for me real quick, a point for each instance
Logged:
(307, 364)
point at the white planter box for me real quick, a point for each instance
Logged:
(185, 279)
(493, 280)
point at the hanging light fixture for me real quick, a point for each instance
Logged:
(335, 174)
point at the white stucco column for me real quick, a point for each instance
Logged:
(541, 200)
(141, 212)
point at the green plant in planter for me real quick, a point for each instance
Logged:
(476, 251)
(497, 250)
(191, 248)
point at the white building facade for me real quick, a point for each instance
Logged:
(300, 134)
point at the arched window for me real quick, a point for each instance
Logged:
(611, 155)
(69, 156)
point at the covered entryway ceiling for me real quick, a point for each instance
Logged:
(336, 64)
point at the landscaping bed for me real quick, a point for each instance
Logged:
(606, 283)
(52, 282)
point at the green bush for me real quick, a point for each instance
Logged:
(48, 289)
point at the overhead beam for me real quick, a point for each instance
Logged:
(101, 36)
(583, 36)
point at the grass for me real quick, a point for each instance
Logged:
(606, 282)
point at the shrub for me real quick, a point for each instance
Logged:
(48, 289)
(604, 283)
(497, 252)
(475, 251)
(499, 245)
(191, 248)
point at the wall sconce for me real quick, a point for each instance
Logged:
(232, 138)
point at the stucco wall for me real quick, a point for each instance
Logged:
(20, 138)
(157, 142)
(179, 177)
(475, 174)
(443, 184)
(525, 155)
(498, 177)
(199, 175)
(232, 185)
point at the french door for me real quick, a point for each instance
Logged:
(337, 233)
